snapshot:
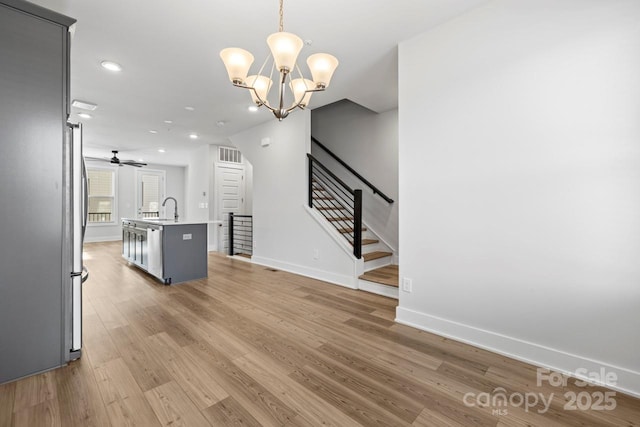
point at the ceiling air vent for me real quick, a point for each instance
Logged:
(229, 155)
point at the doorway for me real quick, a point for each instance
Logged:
(150, 189)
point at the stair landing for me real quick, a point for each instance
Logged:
(387, 275)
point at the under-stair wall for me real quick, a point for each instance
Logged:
(285, 235)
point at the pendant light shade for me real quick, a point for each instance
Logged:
(285, 48)
(237, 62)
(261, 86)
(301, 89)
(322, 66)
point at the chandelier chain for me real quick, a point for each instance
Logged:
(281, 28)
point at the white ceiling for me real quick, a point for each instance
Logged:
(169, 53)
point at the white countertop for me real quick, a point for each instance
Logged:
(168, 221)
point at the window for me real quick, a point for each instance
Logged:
(101, 192)
(229, 155)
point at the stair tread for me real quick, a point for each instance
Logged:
(375, 255)
(328, 208)
(387, 275)
(340, 218)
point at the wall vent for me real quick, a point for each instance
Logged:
(229, 155)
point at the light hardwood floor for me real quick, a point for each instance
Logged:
(250, 346)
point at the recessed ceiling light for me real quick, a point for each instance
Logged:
(85, 115)
(221, 123)
(111, 66)
(168, 121)
(153, 131)
(193, 135)
(189, 108)
(161, 150)
(84, 105)
(253, 108)
(141, 160)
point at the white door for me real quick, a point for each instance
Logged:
(150, 189)
(230, 190)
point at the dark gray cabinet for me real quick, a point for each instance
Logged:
(135, 243)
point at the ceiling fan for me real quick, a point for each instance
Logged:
(116, 161)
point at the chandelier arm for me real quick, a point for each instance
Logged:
(261, 101)
(298, 105)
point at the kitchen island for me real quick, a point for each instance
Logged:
(172, 251)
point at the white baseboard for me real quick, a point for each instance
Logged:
(95, 239)
(628, 381)
(327, 276)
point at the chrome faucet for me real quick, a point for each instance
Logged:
(175, 204)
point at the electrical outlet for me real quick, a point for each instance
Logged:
(316, 254)
(407, 284)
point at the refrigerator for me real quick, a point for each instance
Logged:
(42, 195)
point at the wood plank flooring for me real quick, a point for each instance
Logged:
(250, 346)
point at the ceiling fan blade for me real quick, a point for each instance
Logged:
(132, 163)
(98, 159)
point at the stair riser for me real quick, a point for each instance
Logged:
(377, 263)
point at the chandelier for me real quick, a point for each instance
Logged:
(285, 48)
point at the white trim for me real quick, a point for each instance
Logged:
(378, 289)
(95, 239)
(628, 381)
(327, 276)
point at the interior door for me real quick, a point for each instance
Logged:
(150, 193)
(230, 189)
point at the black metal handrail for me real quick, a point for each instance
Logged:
(240, 234)
(337, 202)
(353, 171)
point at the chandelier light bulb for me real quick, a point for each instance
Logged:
(285, 48)
(261, 86)
(322, 66)
(299, 87)
(237, 61)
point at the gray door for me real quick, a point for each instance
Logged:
(32, 128)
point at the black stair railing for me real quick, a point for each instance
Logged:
(337, 202)
(240, 234)
(353, 171)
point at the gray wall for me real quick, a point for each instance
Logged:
(368, 142)
(126, 198)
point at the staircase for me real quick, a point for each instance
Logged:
(341, 207)
(374, 253)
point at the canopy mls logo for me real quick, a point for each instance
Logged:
(499, 400)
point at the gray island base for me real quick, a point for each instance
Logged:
(171, 251)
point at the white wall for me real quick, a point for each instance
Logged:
(368, 142)
(285, 234)
(520, 182)
(197, 185)
(126, 197)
